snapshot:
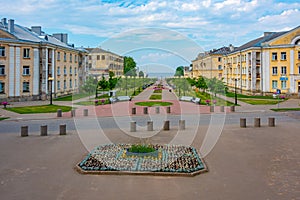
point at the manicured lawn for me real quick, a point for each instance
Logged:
(3, 118)
(231, 94)
(285, 109)
(155, 97)
(72, 97)
(219, 102)
(157, 91)
(260, 101)
(153, 103)
(91, 103)
(39, 109)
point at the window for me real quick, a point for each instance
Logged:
(283, 85)
(283, 70)
(70, 57)
(2, 69)
(58, 85)
(65, 57)
(274, 71)
(26, 53)
(103, 57)
(274, 56)
(58, 71)
(75, 70)
(220, 67)
(65, 84)
(26, 70)
(274, 84)
(65, 70)
(283, 55)
(98, 57)
(70, 83)
(2, 51)
(75, 81)
(58, 56)
(70, 70)
(219, 59)
(76, 58)
(2, 88)
(25, 86)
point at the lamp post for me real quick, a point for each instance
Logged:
(50, 79)
(126, 84)
(235, 95)
(134, 85)
(179, 84)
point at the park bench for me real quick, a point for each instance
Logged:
(185, 98)
(196, 100)
(123, 98)
(113, 99)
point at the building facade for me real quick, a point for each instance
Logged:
(32, 63)
(266, 64)
(101, 62)
(210, 64)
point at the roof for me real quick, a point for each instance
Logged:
(99, 50)
(24, 34)
(258, 41)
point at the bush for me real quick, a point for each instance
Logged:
(138, 148)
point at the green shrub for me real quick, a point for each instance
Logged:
(138, 148)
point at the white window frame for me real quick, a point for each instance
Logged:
(273, 69)
(2, 87)
(274, 84)
(2, 51)
(283, 55)
(2, 69)
(274, 56)
(283, 85)
(58, 85)
(26, 53)
(26, 86)
(26, 70)
(283, 70)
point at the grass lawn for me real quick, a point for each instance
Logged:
(39, 109)
(260, 101)
(157, 91)
(205, 96)
(231, 94)
(91, 103)
(72, 97)
(3, 118)
(285, 109)
(153, 103)
(155, 97)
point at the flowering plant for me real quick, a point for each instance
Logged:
(4, 103)
(282, 97)
(96, 101)
(214, 101)
(102, 101)
(207, 101)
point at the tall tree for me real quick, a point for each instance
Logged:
(89, 85)
(129, 66)
(141, 74)
(179, 71)
(112, 81)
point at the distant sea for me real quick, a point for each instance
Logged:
(160, 75)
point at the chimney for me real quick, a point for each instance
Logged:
(4, 22)
(231, 47)
(11, 25)
(37, 29)
(63, 37)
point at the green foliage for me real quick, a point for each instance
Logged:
(155, 97)
(201, 83)
(129, 66)
(157, 91)
(231, 94)
(260, 101)
(3, 118)
(285, 109)
(89, 85)
(216, 86)
(153, 103)
(141, 74)
(39, 109)
(72, 97)
(179, 71)
(138, 148)
(103, 83)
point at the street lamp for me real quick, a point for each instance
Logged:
(134, 85)
(96, 82)
(235, 95)
(50, 79)
(126, 84)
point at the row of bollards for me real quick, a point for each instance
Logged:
(44, 130)
(145, 110)
(166, 125)
(271, 122)
(73, 113)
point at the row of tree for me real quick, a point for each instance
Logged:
(215, 85)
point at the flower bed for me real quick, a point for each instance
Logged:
(166, 160)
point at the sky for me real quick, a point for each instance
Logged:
(160, 35)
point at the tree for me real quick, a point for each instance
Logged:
(216, 86)
(103, 83)
(112, 82)
(141, 74)
(129, 66)
(89, 85)
(201, 83)
(179, 71)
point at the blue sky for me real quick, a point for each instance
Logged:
(166, 33)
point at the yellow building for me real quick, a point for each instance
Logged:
(100, 62)
(32, 63)
(266, 64)
(210, 64)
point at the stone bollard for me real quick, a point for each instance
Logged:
(85, 112)
(257, 122)
(157, 110)
(132, 126)
(150, 126)
(232, 108)
(24, 131)
(168, 109)
(271, 121)
(133, 110)
(44, 131)
(243, 122)
(145, 110)
(181, 124)
(212, 109)
(59, 113)
(62, 129)
(73, 113)
(166, 125)
(222, 108)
